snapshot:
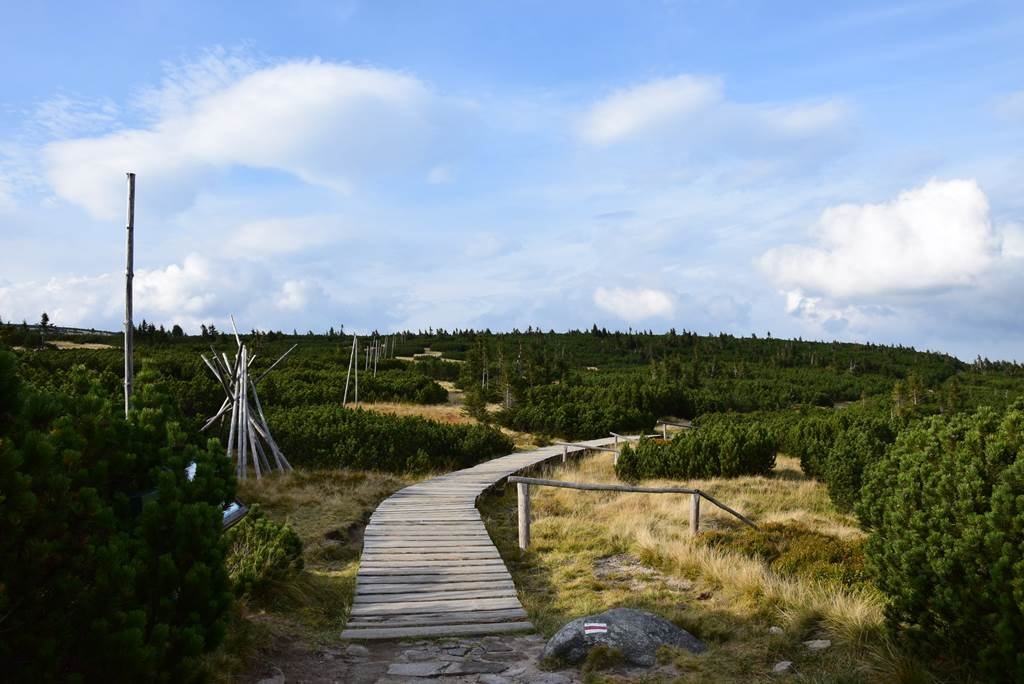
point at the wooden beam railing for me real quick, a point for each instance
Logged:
(673, 423)
(584, 447)
(523, 493)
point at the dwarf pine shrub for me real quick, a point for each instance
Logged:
(947, 505)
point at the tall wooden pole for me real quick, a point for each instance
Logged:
(129, 274)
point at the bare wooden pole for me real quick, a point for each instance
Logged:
(695, 513)
(523, 494)
(129, 275)
(351, 356)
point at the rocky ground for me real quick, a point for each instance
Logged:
(485, 660)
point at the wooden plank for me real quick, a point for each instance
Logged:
(445, 584)
(472, 553)
(388, 580)
(381, 599)
(436, 630)
(435, 606)
(507, 615)
(426, 568)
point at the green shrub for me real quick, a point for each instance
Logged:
(947, 504)
(97, 580)
(261, 552)
(717, 449)
(336, 437)
(792, 549)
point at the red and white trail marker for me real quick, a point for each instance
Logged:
(595, 628)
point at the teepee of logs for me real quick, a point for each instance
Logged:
(249, 439)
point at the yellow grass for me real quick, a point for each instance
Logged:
(64, 344)
(728, 599)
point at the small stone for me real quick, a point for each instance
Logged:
(355, 651)
(489, 678)
(775, 630)
(550, 678)
(457, 650)
(475, 667)
(418, 654)
(783, 666)
(421, 669)
(818, 644)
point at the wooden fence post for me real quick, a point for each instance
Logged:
(664, 431)
(565, 453)
(694, 513)
(523, 493)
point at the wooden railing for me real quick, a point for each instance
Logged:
(523, 493)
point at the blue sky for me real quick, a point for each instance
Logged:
(820, 170)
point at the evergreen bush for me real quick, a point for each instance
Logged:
(111, 560)
(947, 504)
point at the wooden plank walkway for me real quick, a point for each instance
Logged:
(428, 566)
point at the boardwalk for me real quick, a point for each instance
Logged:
(428, 567)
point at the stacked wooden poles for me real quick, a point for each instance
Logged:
(249, 438)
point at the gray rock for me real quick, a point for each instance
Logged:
(493, 679)
(638, 634)
(818, 644)
(774, 630)
(475, 667)
(421, 669)
(356, 651)
(457, 650)
(783, 666)
(276, 679)
(549, 678)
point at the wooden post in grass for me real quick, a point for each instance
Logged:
(129, 274)
(664, 430)
(695, 514)
(565, 453)
(523, 494)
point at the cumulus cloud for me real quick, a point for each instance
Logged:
(634, 305)
(928, 265)
(694, 108)
(197, 290)
(326, 124)
(933, 237)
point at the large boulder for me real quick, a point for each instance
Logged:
(636, 633)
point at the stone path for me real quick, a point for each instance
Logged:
(428, 567)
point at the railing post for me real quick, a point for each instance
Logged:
(664, 431)
(694, 513)
(616, 440)
(523, 493)
(615, 458)
(565, 453)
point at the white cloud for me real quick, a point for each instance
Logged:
(277, 236)
(634, 305)
(1010, 106)
(198, 290)
(295, 295)
(936, 236)
(65, 115)
(694, 109)
(327, 124)
(631, 110)
(439, 175)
